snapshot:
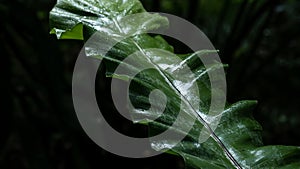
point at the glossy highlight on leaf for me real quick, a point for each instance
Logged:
(236, 143)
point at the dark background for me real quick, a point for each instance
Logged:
(259, 39)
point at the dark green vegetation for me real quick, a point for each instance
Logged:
(259, 40)
(235, 144)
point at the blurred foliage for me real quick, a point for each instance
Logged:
(259, 39)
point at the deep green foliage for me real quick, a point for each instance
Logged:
(236, 143)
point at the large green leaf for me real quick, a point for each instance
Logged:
(236, 143)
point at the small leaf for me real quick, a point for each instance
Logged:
(74, 33)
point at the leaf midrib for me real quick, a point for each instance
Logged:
(202, 121)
